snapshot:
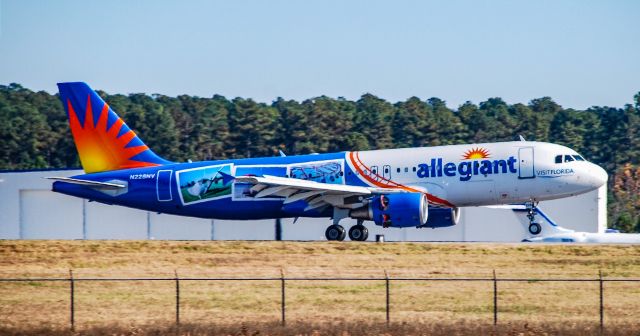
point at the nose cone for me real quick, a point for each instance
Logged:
(598, 176)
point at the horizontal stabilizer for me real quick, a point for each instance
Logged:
(89, 183)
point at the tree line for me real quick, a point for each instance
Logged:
(35, 131)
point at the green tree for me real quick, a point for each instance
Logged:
(413, 124)
(450, 129)
(253, 128)
(373, 120)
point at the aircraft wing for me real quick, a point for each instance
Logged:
(315, 194)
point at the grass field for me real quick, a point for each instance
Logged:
(25, 306)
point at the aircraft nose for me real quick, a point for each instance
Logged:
(599, 176)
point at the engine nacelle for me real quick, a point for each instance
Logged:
(439, 217)
(395, 210)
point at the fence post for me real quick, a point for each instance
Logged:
(177, 298)
(282, 298)
(72, 298)
(601, 304)
(386, 281)
(495, 298)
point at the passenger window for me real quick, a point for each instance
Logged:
(568, 158)
(559, 159)
(386, 170)
(406, 170)
(398, 170)
(414, 169)
(578, 158)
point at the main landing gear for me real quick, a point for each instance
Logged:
(357, 232)
(336, 232)
(534, 228)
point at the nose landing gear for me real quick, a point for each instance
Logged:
(534, 228)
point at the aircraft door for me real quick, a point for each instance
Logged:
(386, 172)
(525, 163)
(163, 185)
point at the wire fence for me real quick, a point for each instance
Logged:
(283, 280)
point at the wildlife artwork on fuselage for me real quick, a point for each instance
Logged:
(203, 183)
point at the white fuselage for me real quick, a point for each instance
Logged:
(483, 174)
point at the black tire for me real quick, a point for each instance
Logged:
(335, 232)
(365, 233)
(535, 228)
(343, 235)
(358, 233)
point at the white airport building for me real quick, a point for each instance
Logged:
(30, 210)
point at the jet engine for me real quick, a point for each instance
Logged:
(395, 210)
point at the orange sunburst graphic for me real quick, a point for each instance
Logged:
(101, 149)
(476, 153)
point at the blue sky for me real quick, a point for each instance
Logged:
(581, 53)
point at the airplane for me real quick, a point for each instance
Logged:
(408, 187)
(555, 233)
(587, 238)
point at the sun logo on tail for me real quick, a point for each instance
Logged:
(476, 153)
(103, 148)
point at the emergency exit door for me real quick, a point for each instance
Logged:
(525, 163)
(386, 172)
(163, 185)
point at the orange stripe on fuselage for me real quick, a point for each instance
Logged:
(354, 157)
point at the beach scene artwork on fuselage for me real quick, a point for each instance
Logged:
(204, 183)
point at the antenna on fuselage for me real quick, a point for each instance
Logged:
(521, 137)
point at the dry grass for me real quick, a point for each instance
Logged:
(342, 328)
(24, 306)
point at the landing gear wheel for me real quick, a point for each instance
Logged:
(535, 228)
(358, 233)
(335, 232)
(532, 210)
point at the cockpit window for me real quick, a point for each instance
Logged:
(568, 158)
